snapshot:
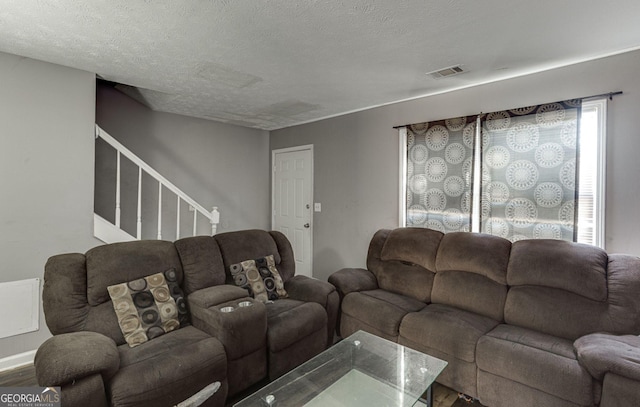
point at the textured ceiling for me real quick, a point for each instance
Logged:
(273, 64)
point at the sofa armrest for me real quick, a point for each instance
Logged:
(309, 289)
(604, 353)
(350, 280)
(227, 313)
(216, 295)
(72, 356)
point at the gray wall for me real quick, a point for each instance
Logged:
(46, 162)
(356, 156)
(215, 163)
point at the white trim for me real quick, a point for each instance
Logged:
(476, 178)
(600, 106)
(291, 149)
(17, 360)
(601, 191)
(108, 232)
(402, 204)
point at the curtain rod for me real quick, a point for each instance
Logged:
(609, 95)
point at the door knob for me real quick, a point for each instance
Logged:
(306, 225)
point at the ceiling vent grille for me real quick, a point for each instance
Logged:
(446, 72)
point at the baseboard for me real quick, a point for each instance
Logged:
(13, 361)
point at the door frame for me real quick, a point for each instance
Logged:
(308, 147)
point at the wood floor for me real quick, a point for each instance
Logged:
(20, 377)
(26, 376)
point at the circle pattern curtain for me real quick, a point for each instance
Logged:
(439, 166)
(529, 177)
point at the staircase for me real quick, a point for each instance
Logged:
(149, 208)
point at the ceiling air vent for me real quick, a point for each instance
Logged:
(446, 72)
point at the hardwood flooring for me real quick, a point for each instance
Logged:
(25, 376)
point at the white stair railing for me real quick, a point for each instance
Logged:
(110, 236)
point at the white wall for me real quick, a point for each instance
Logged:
(356, 155)
(216, 164)
(46, 167)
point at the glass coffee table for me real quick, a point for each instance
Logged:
(361, 370)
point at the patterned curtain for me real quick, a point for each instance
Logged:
(529, 177)
(439, 166)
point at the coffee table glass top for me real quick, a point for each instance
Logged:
(361, 370)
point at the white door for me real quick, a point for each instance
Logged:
(292, 200)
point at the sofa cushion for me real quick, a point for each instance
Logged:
(412, 245)
(239, 246)
(398, 269)
(406, 279)
(380, 309)
(167, 370)
(543, 362)
(619, 391)
(260, 277)
(559, 264)
(494, 390)
(127, 261)
(470, 292)
(477, 253)
(201, 262)
(447, 329)
(556, 312)
(149, 307)
(289, 321)
(459, 374)
(296, 333)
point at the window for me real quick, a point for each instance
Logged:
(518, 173)
(592, 157)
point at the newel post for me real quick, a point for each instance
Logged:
(215, 219)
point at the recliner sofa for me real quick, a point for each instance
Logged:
(232, 342)
(520, 324)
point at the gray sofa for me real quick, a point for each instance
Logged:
(90, 360)
(533, 323)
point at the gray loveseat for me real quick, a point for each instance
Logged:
(222, 351)
(533, 323)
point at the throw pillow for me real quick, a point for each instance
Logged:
(260, 277)
(149, 307)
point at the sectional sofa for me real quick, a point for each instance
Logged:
(531, 323)
(106, 309)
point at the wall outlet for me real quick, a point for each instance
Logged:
(317, 207)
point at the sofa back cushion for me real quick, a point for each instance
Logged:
(403, 260)
(471, 273)
(577, 268)
(201, 261)
(417, 246)
(120, 262)
(570, 290)
(239, 246)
